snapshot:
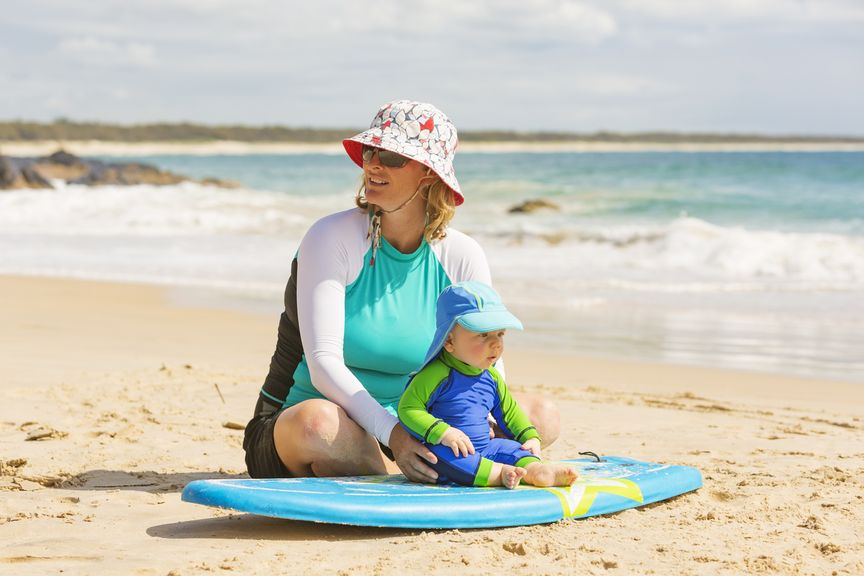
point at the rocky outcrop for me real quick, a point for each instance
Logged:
(15, 174)
(530, 206)
(38, 173)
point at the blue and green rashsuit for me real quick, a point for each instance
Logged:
(448, 392)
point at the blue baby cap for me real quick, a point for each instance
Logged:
(475, 306)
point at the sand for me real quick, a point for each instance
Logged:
(115, 396)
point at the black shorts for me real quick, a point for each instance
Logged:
(262, 460)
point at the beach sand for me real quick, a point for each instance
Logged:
(115, 396)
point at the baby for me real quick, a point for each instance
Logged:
(447, 402)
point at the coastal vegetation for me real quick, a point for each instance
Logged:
(68, 130)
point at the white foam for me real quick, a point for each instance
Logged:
(561, 257)
(144, 210)
(686, 255)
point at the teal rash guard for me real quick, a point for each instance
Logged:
(362, 329)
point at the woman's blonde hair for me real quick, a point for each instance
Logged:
(440, 207)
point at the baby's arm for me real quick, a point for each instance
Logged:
(533, 445)
(412, 410)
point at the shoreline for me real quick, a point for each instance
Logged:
(230, 300)
(104, 148)
(133, 394)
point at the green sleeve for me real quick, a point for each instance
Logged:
(515, 423)
(412, 406)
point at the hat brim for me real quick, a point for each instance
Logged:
(437, 343)
(486, 321)
(489, 321)
(354, 147)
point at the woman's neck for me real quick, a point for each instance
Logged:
(404, 229)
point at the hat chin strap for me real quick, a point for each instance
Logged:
(381, 211)
(375, 221)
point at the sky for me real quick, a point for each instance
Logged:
(743, 66)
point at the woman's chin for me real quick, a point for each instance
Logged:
(374, 197)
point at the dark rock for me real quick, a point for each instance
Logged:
(530, 206)
(64, 158)
(20, 174)
(8, 173)
(61, 165)
(33, 178)
(221, 183)
(101, 174)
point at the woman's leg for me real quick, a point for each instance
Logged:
(318, 438)
(543, 414)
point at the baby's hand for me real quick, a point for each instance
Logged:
(533, 446)
(457, 441)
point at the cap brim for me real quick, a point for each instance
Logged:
(489, 321)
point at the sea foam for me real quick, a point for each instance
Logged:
(687, 252)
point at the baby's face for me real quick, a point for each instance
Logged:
(479, 349)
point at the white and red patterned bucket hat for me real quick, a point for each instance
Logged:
(415, 130)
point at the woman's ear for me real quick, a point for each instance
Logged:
(428, 174)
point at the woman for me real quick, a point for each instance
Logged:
(360, 311)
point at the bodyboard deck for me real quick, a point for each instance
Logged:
(611, 485)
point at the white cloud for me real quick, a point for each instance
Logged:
(621, 85)
(559, 64)
(91, 50)
(577, 20)
(767, 11)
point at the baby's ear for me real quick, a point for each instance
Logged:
(448, 344)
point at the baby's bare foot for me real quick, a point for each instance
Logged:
(511, 475)
(543, 474)
(565, 475)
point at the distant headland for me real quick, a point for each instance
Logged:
(23, 138)
(67, 130)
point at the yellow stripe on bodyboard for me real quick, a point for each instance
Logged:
(577, 499)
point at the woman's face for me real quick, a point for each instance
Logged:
(389, 187)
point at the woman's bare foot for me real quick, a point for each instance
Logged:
(547, 474)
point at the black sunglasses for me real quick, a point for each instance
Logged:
(386, 157)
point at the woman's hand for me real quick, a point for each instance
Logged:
(412, 456)
(533, 446)
(457, 441)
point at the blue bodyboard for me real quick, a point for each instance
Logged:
(611, 485)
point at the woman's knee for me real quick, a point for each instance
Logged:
(548, 416)
(318, 438)
(543, 413)
(308, 424)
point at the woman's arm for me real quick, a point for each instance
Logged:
(324, 263)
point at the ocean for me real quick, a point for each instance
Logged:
(742, 260)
